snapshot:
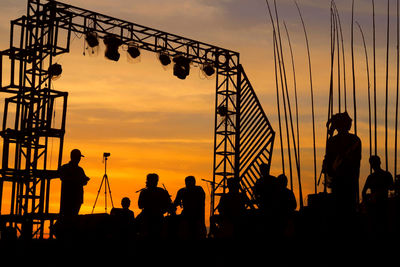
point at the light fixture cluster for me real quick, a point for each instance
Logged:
(112, 42)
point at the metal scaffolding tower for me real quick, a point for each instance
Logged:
(243, 135)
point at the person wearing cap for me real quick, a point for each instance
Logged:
(342, 164)
(73, 178)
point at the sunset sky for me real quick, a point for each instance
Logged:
(150, 121)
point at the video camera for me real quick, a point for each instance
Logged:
(106, 155)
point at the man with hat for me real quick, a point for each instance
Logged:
(73, 178)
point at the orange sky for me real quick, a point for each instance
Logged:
(150, 121)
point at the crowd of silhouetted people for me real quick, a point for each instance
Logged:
(274, 211)
(158, 218)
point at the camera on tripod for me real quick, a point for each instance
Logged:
(106, 185)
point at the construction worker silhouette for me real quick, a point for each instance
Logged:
(154, 203)
(379, 183)
(73, 178)
(192, 200)
(342, 163)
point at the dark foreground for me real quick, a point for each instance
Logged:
(313, 238)
(312, 250)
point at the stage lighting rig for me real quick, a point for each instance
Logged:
(208, 70)
(112, 43)
(164, 58)
(181, 67)
(222, 111)
(133, 50)
(54, 70)
(91, 39)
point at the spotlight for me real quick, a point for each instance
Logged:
(133, 51)
(181, 67)
(112, 43)
(222, 111)
(54, 70)
(164, 59)
(208, 69)
(91, 39)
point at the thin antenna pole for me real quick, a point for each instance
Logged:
(387, 87)
(312, 96)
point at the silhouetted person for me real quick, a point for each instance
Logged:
(154, 203)
(265, 190)
(231, 208)
(7, 232)
(73, 178)
(379, 183)
(285, 205)
(125, 211)
(192, 200)
(286, 199)
(124, 219)
(342, 164)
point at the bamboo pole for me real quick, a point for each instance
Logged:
(343, 58)
(284, 88)
(312, 96)
(352, 68)
(278, 103)
(297, 154)
(374, 56)
(369, 91)
(387, 87)
(277, 83)
(397, 90)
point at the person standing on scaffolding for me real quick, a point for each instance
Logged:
(342, 165)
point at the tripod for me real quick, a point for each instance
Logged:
(106, 185)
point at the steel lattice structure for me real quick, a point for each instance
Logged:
(243, 135)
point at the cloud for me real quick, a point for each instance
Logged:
(113, 124)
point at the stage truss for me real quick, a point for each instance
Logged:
(243, 136)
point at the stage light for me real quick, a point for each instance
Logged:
(54, 70)
(222, 111)
(133, 50)
(164, 59)
(208, 69)
(181, 67)
(112, 43)
(91, 39)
